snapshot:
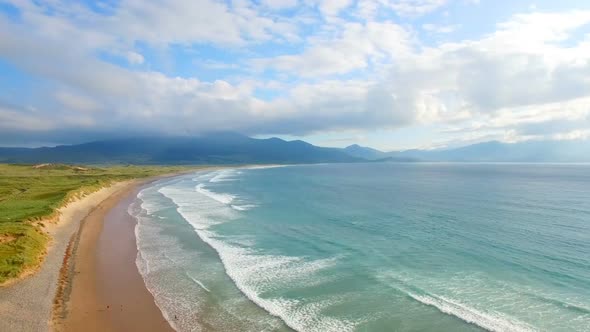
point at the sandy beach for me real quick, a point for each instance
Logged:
(26, 305)
(89, 280)
(101, 288)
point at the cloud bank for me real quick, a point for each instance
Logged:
(294, 67)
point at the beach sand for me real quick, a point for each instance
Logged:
(26, 305)
(102, 289)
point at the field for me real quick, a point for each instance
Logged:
(31, 194)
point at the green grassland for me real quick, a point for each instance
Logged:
(30, 194)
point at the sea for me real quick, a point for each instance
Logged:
(369, 247)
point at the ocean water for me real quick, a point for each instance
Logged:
(370, 247)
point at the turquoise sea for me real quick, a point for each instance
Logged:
(370, 247)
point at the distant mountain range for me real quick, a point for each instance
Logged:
(217, 148)
(232, 148)
(529, 151)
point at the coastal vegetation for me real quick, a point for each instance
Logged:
(30, 196)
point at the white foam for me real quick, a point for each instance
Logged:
(255, 273)
(224, 175)
(192, 207)
(430, 291)
(489, 321)
(149, 206)
(202, 176)
(147, 266)
(221, 198)
(265, 166)
(169, 272)
(244, 207)
(198, 282)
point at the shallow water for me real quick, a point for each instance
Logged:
(370, 247)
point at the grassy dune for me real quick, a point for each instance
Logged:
(31, 194)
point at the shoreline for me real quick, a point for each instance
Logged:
(26, 304)
(102, 287)
(86, 275)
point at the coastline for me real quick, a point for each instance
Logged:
(89, 279)
(102, 288)
(26, 304)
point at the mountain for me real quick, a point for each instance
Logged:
(370, 154)
(214, 148)
(529, 151)
(362, 152)
(232, 148)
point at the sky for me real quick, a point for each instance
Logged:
(390, 74)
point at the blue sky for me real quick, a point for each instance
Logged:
(391, 74)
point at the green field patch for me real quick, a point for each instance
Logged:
(30, 193)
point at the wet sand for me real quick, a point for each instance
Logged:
(102, 289)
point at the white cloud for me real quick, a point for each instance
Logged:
(165, 22)
(134, 58)
(76, 102)
(435, 28)
(24, 119)
(578, 134)
(280, 4)
(531, 74)
(353, 48)
(333, 7)
(415, 7)
(156, 22)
